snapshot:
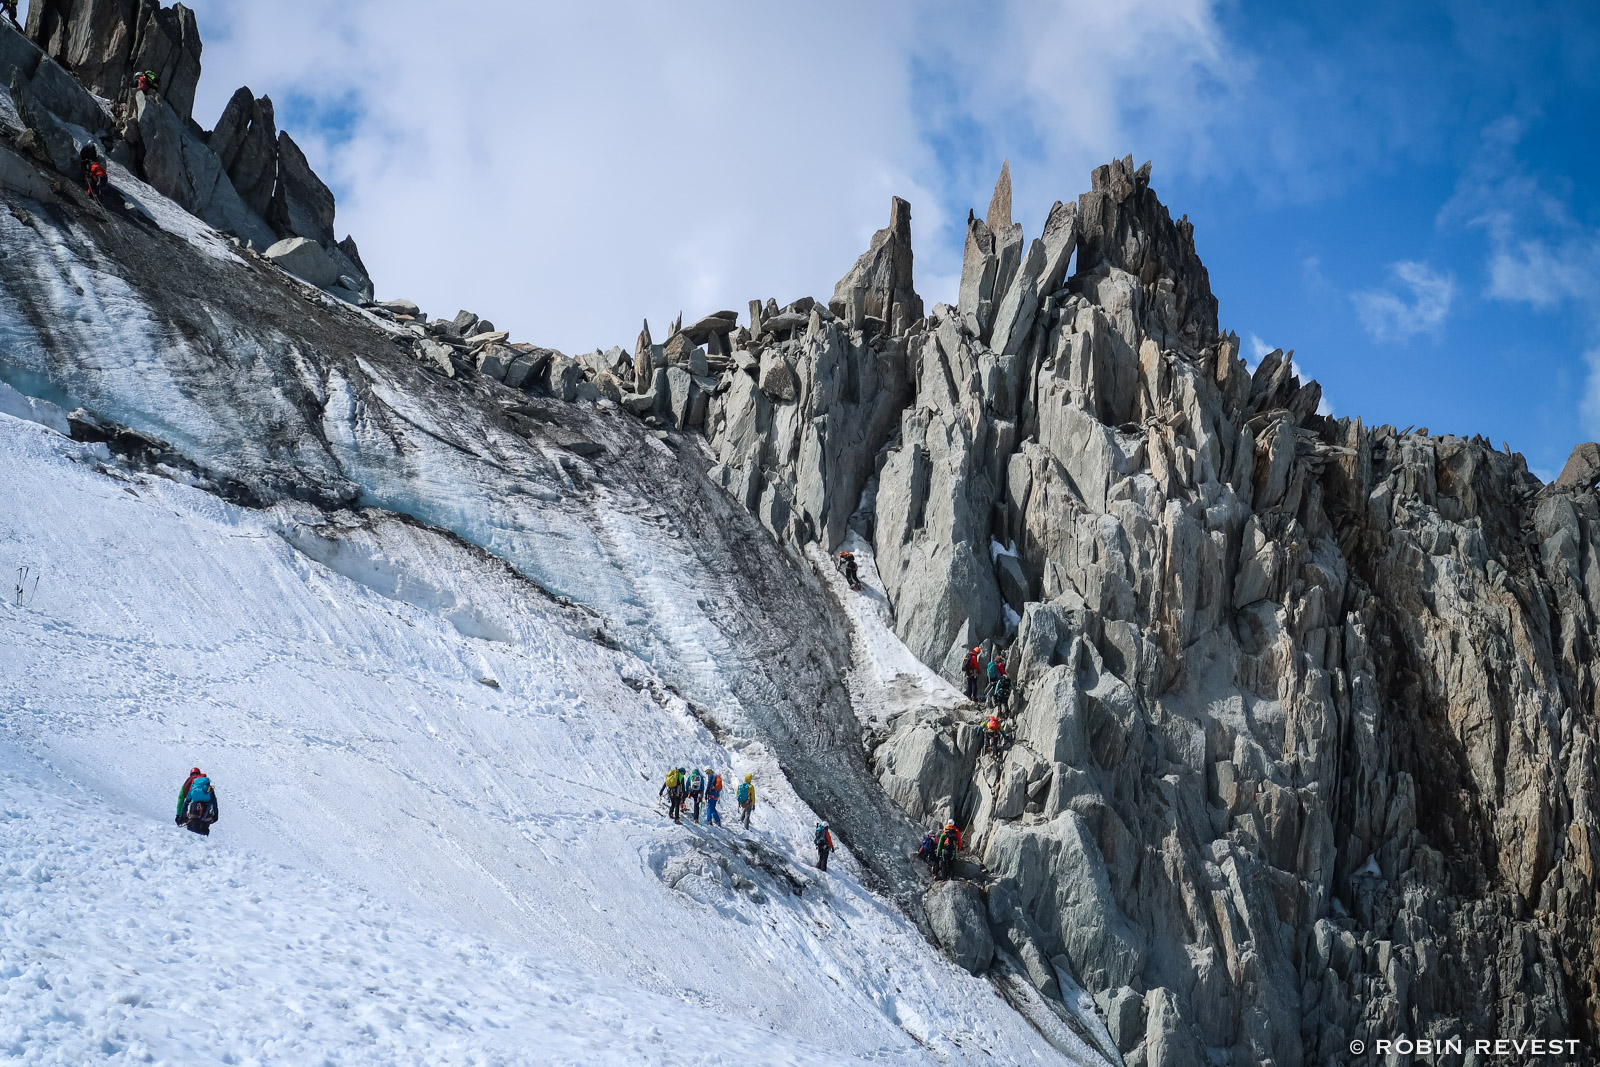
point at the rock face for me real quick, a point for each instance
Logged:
(245, 178)
(957, 914)
(301, 205)
(246, 141)
(1583, 468)
(1304, 714)
(179, 165)
(103, 42)
(880, 284)
(51, 87)
(304, 259)
(796, 442)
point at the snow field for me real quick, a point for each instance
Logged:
(124, 942)
(332, 680)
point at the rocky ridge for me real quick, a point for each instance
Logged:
(71, 77)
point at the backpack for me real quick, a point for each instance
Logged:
(820, 838)
(695, 782)
(947, 840)
(716, 784)
(1002, 686)
(200, 791)
(744, 792)
(972, 662)
(672, 778)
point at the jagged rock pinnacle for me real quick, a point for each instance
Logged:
(999, 215)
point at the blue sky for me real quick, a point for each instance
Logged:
(1402, 193)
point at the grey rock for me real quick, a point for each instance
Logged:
(884, 273)
(494, 361)
(302, 206)
(999, 215)
(777, 377)
(167, 41)
(246, 141)
(438, 357)
(527, 368)
(681, 392)
(1125, 1018)
(562, 377)
(1582, 470)
(957, 915)
(305, 259)
(63, 97)
(18, 175)
(643, 360)
(178, 165)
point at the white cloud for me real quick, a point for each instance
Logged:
(1417, 301)
(1539, 254)
(568, 169)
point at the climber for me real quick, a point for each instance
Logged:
(713, 794)
(673, 788)
(997, 670)
(697, 790)
(197, 803)
(10, 9)
(991, 736)
(847, 564)
(1000, 693)
(823, 839)
(95, 177)
(928, 849)
(146, 82)
(945, 850)
(969, 667)
(747, 799)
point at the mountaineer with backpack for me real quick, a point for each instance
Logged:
(697, 790)
(747, 799)
(95, 180)
(146, 82)
(944, 857)
(713, 794)
(823, 839)
(847, 564)
(1000, 693)
(991, 736)
(674, 787)
(969, 667)
(197, 803)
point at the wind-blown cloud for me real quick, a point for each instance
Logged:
(1417, 301)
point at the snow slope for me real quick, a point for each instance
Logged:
(504, 838)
